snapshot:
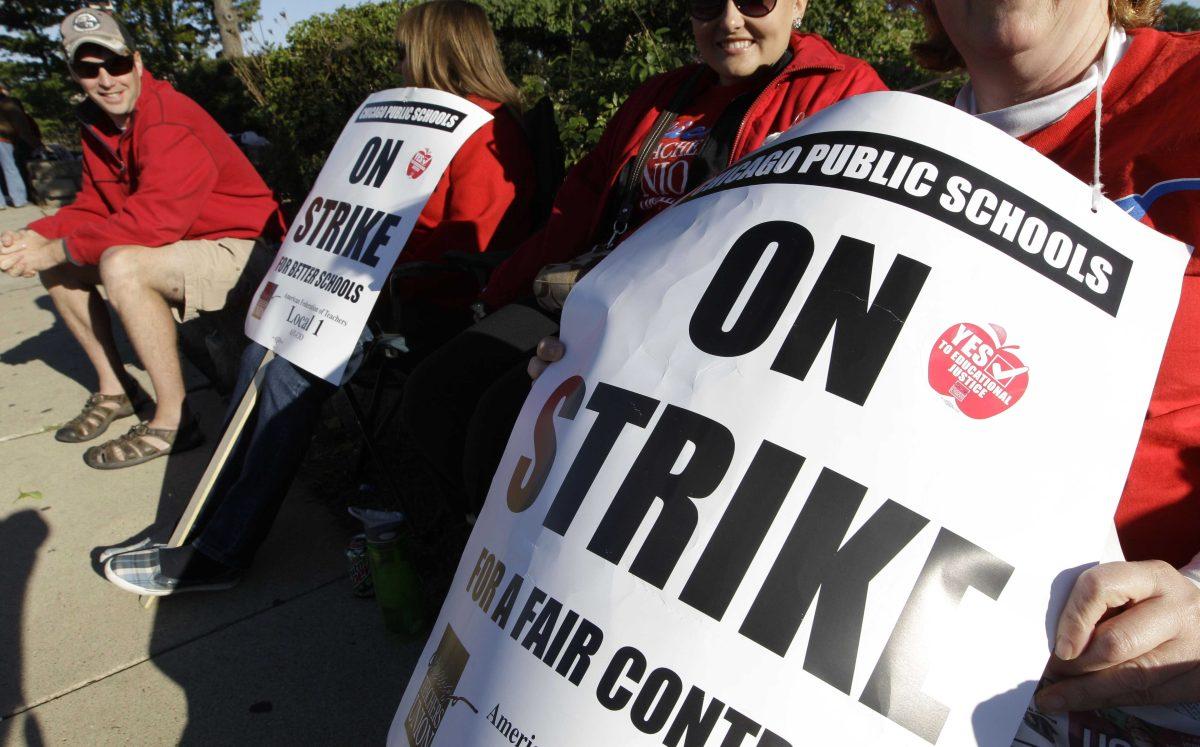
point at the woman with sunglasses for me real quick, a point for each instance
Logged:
(482, 203)
(759, 76)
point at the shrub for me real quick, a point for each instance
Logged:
(212, 83)
(307, 89)
(586, 55)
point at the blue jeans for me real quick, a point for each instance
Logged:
(13, 183)
(251, 488)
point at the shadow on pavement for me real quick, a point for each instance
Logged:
(292, 678)
(20, 537)
(54, 347)
(315, 672)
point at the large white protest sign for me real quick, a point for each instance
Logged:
(313, 303)
(830, 440)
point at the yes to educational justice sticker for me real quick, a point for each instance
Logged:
(976, 371)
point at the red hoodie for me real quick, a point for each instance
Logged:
(818, 76)
(482, 203)
(172, 174)
(1150, 165)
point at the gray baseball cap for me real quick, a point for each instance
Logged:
(92, 26)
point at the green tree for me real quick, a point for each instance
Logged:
(31, 64)
(27, 41)
(229, 26)
(307, 89)
(1179, 17)
(873, 31)
(174, 37)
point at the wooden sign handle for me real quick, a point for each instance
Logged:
(215, 465)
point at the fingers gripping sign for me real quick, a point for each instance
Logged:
(549, 350)
(1129, 635)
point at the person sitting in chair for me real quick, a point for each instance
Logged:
(482, 203)
(170, 217)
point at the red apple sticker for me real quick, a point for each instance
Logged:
(979, 374)
(419, 163)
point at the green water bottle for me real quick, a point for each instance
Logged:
(396, 585)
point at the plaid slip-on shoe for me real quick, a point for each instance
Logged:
(141, 544)
(140, 572)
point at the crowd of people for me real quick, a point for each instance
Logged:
(173, 220)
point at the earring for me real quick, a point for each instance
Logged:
(796, 24)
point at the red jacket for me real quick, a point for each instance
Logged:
(1150, 164)
(172, 174)
(481, 203)
(817, 77)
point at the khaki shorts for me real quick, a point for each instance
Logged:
(219, 272)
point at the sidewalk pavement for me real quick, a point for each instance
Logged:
(287, 657)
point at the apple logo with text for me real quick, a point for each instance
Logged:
(976, 371)
(419, 163)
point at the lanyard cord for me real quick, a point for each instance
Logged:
(1097, 187)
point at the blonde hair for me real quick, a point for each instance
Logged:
(451, 47)
(937, 51)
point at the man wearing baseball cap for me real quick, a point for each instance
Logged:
(170, 217)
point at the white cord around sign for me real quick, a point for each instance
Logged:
(1097, 186)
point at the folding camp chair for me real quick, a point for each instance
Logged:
(393, 352)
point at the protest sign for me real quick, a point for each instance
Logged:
(314, 302)
(830, 442)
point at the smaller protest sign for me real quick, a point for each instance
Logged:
(314, 302)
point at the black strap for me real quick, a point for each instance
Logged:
(716, 152)
(682, 96)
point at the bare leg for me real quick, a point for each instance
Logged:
(73, 291)
(142, 285)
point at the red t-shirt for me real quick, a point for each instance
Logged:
(665, 177)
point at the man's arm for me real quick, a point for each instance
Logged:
(88, 207)
(176, 178)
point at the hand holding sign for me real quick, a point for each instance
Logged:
(549, 350)
(1129, 635)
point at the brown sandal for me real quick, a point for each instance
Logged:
(96, 416)
(133, 448)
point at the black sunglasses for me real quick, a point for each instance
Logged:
(706, 10)
(114, 65)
